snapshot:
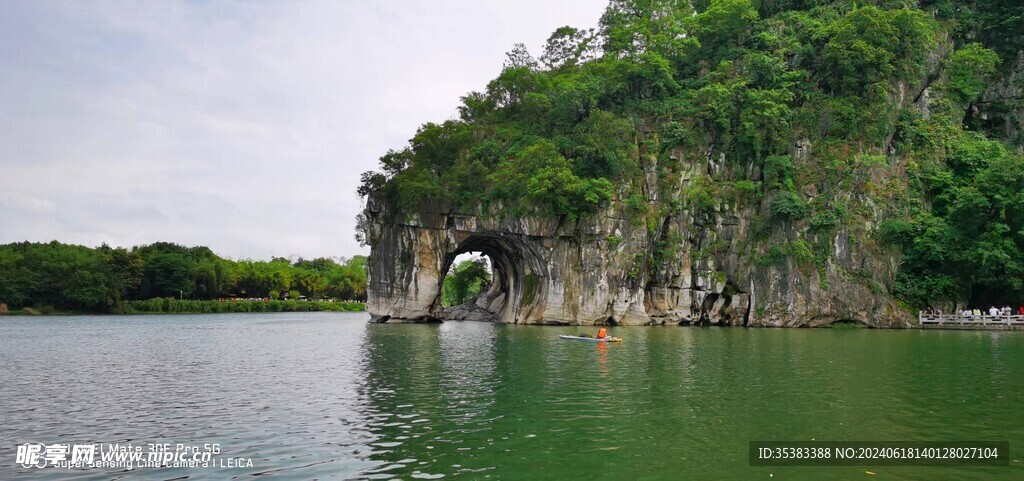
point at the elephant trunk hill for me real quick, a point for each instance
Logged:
(724, 162)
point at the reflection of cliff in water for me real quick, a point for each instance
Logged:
(430, 389)
(464, 397)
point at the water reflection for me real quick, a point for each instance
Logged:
(512, 400)
(432, 388)
(328, 396)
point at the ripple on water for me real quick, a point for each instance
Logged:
(328, 396)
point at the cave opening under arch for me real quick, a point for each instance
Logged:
(515, 288)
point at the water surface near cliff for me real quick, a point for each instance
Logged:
(328, 396)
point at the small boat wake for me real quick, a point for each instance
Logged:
(591, 339)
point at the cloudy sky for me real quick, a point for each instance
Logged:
(242, 126)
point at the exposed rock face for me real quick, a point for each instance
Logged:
(469, 311)
(618, 267)
(1002, 105)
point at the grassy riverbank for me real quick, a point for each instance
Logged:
(175, 306)
(171, 305)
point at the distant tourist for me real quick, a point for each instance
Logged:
(992, 311)
(1020, 312)
(976, 312)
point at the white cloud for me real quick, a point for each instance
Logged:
(240, 126)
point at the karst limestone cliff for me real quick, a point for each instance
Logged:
(721, 162)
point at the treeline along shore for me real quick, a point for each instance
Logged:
(176, 306)
(165, 277)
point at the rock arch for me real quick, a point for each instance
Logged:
(517, 286)
(601, 269)
(547, 270)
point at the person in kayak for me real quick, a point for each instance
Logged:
(602, 333)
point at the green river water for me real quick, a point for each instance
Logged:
(328, 396)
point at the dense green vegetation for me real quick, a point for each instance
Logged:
(744, 81)
(172, 305)
(464, 282)
(70, 277)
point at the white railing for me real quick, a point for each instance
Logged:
(969, 320)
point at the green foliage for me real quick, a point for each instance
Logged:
(921, 290)
(465, 282)
(637, 208)
(740, 83)
(800, 252)
(604, 146)
(968, 245)
(827, 219)
(788, 206)
(869, 46)
(969, 69)
(568, 47)
(667, 249)
(868, 160)
(555, 141)
(797, 250)
(167, 275)
(741, 191)
(702, 195)
(847, 325)
(632, 27)
(68, 277)
(555, 189)
(723, 26)
(778, 172)
(708, 250)
(100, 280)
(896, 231)
(995, 23)
(639, 263)
(176, 306)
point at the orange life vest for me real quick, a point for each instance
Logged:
(602, 333)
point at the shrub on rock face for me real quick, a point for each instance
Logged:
(789, 206)
(969, 69)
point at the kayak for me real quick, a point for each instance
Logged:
(591, 339)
